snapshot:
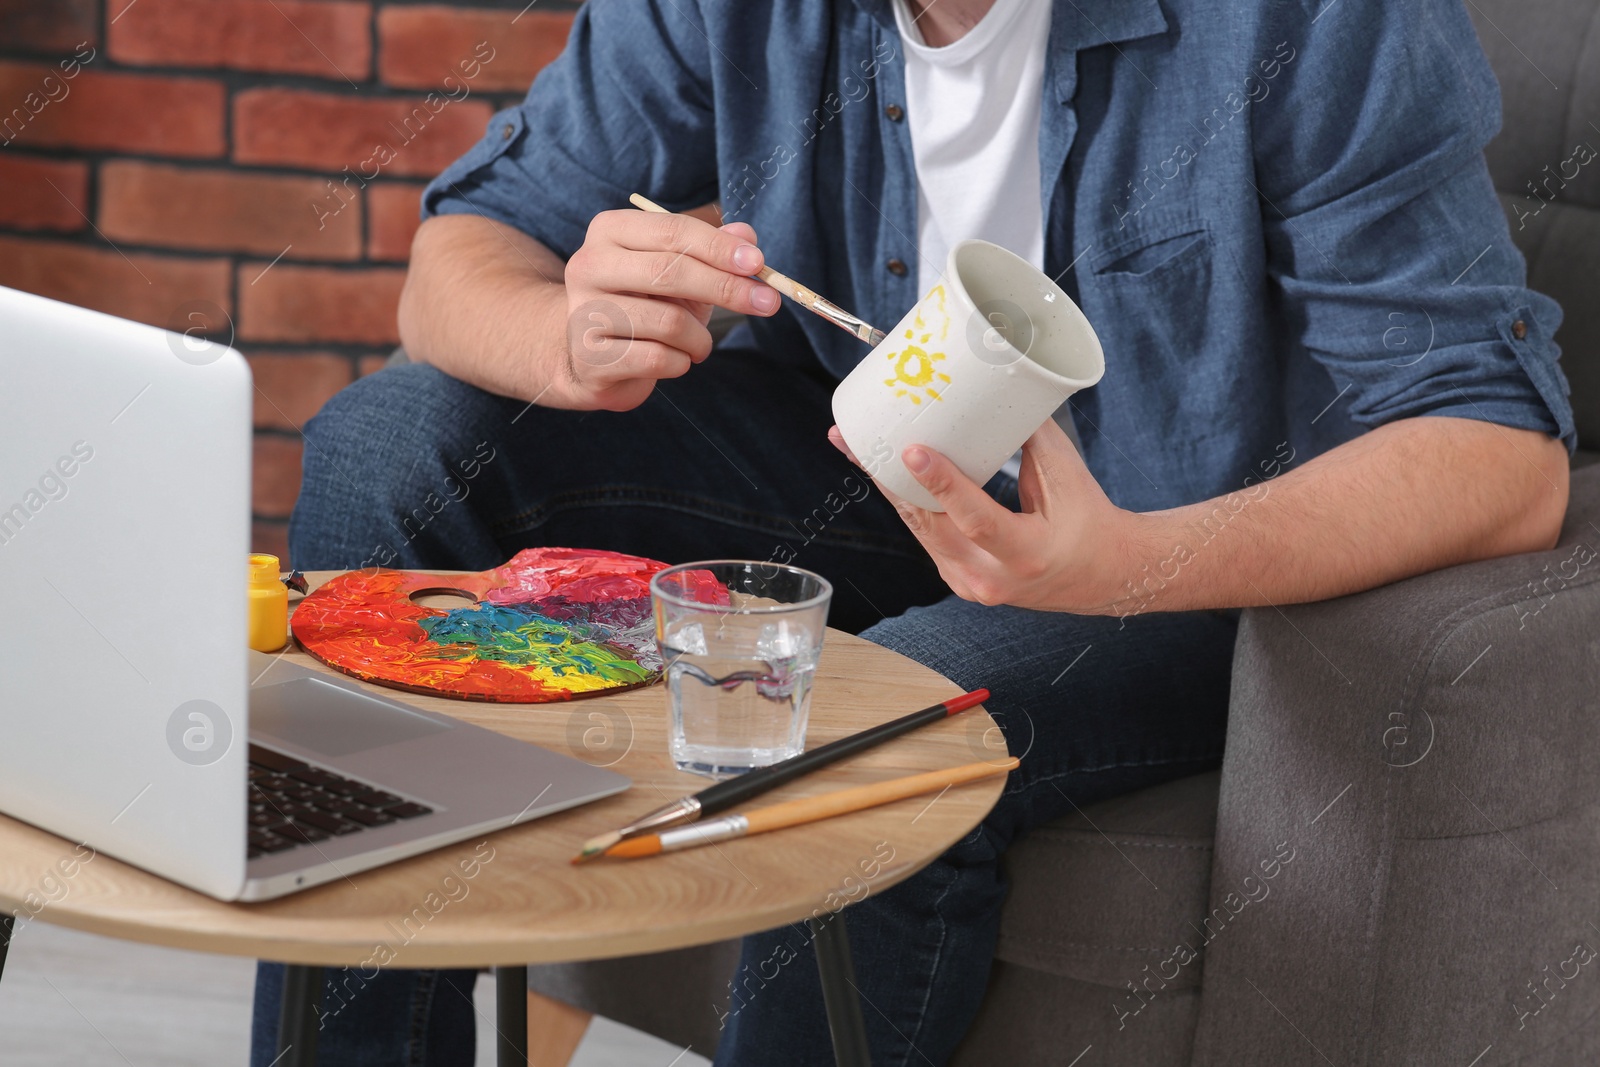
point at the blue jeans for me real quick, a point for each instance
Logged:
(410, 468)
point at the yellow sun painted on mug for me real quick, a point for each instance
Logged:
(915, 367)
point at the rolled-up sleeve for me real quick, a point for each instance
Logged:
(1386, 244)
(625, 108)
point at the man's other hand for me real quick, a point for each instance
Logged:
(1066, 551)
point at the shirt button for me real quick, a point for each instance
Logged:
(897, 267)
(895, 112)
(1519, 329)
(506, 131)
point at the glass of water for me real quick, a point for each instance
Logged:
(739, 641)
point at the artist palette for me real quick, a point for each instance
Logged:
(551, 624)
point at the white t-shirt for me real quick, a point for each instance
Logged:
(973, 106)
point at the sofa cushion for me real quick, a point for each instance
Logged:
(1547, 58)
(1562, 246)
(1029, 1017)
(1108, 895)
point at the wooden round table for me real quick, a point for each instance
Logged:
(526, 903)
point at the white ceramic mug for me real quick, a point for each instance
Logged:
(971, 372)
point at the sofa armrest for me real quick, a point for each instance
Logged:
(1428, 753)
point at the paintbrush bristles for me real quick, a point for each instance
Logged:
(596, 846)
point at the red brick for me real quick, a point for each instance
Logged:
(273, 539)
(110, 111)
(410, 136)
(142, 287)
(52, 26)
(276, 475)
(484, 49)
(371, 364)
(319, 305)
(393, 209)
(322, 38)
(292, 387)
(30, 203)
(227, 211)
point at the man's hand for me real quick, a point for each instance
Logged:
(639, 294)
(490, 305)
(1409, 497)
(1068, 550)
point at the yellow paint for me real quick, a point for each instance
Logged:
(915, 366)
(269, 605)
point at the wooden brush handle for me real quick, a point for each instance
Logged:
(781, 282)
(813, 809)
(792, 289)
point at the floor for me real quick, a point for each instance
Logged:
(69, 998)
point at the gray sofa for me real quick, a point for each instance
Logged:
(1399, 860)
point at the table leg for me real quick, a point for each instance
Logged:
(8, 927)
(511, 1016)
(297, 1016)
(839, 994)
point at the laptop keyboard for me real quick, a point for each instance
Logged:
(295, 803)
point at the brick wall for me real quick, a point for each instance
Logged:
(158, 156)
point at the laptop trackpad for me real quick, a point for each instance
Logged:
(332, 720)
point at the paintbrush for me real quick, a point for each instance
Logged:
(724, 795)
(794, 291)
(806, 810)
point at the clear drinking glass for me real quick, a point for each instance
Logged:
(740, 641)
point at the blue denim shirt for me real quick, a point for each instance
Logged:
(1276, 214)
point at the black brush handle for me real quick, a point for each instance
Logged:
(734, 791)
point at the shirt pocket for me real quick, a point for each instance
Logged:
(1152, 294)
(1149, 255)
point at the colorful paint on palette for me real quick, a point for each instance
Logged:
(551, 624)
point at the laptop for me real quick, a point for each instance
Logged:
(133, 716)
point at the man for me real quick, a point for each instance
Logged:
(1323, 373)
